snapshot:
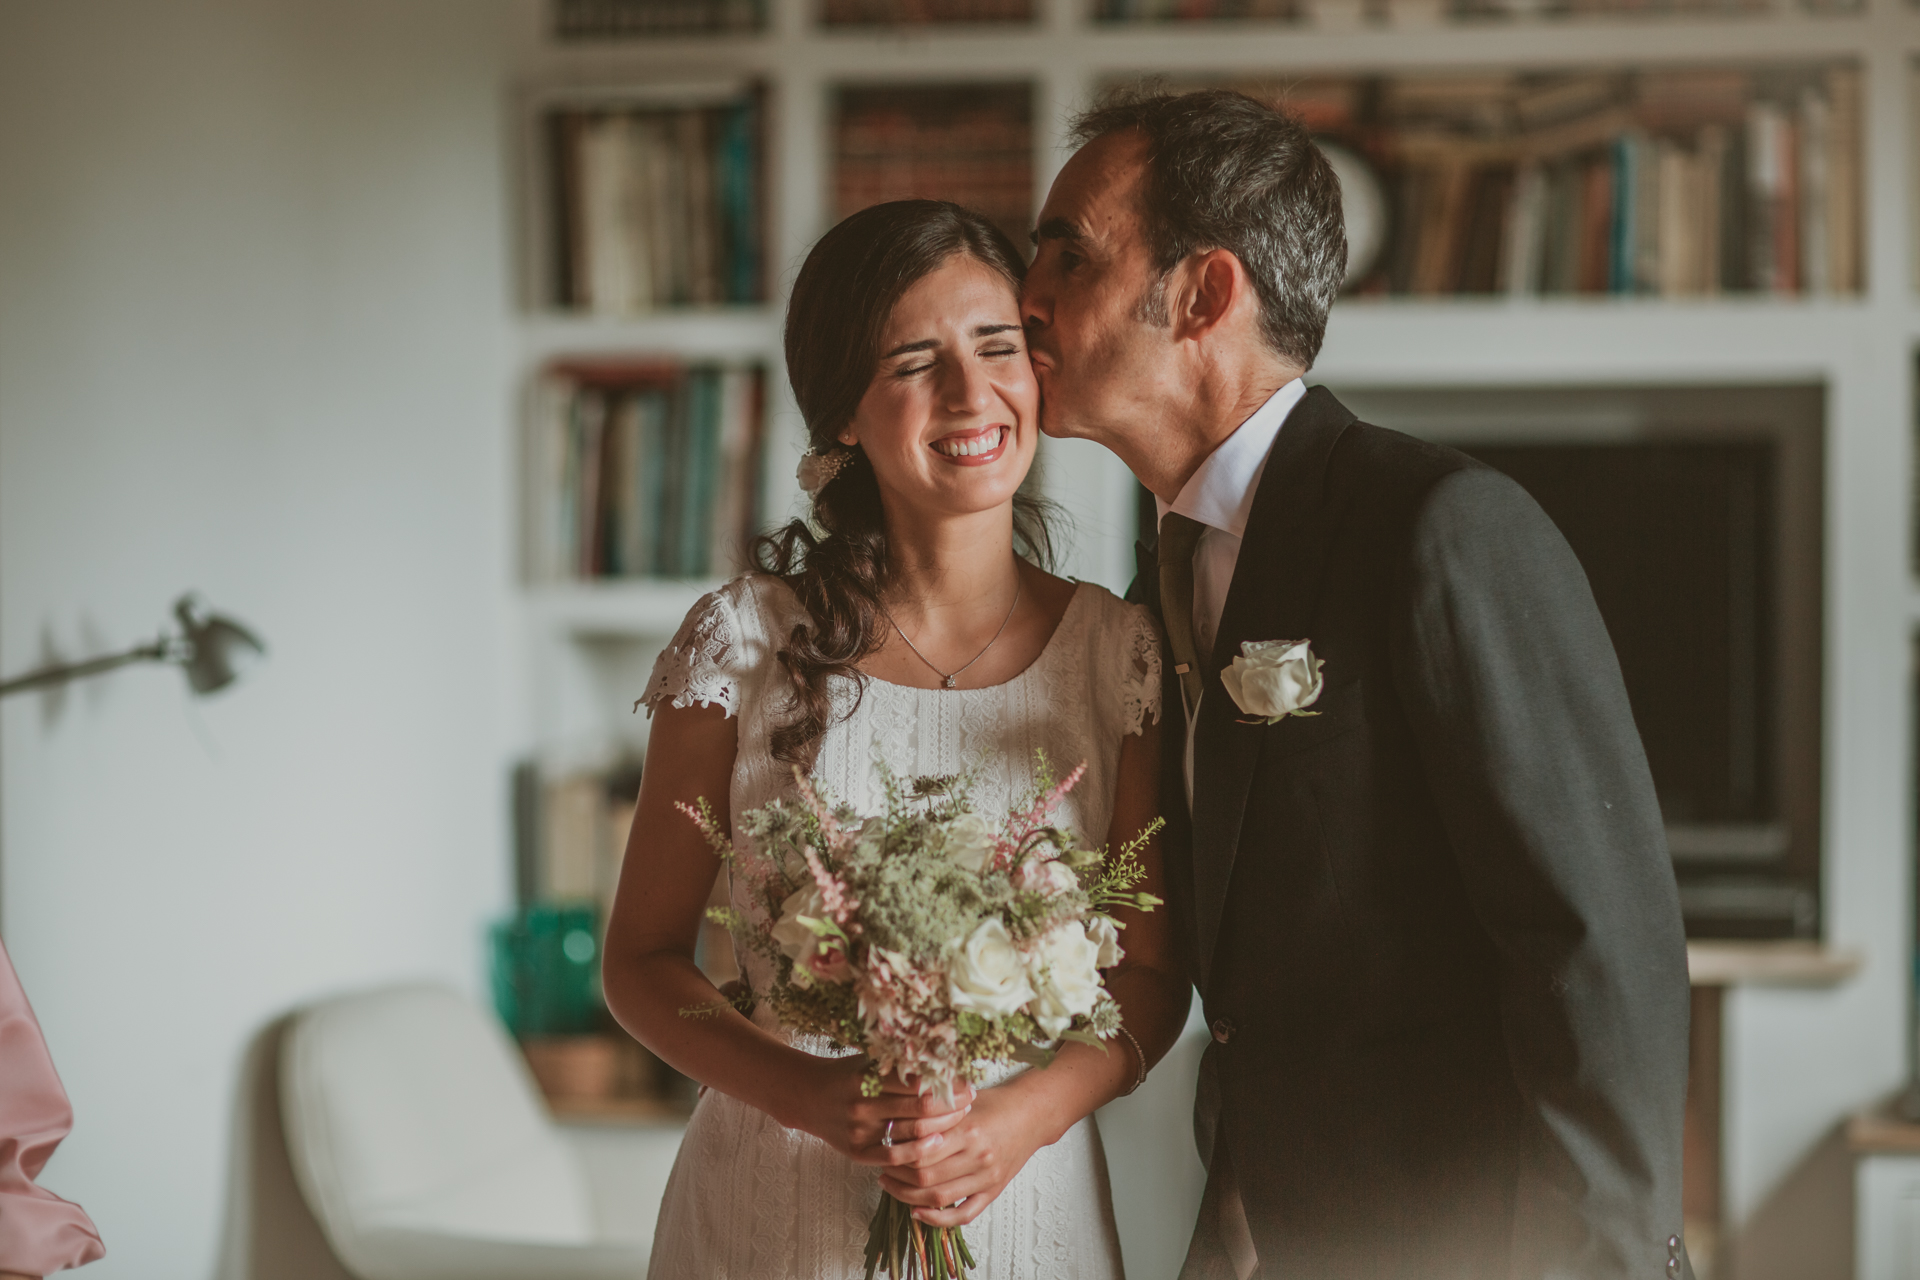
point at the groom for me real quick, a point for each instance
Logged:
(1431, 916)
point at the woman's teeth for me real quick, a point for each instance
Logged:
(975, 447)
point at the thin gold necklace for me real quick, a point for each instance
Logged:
(948, 677)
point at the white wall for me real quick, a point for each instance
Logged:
(253, 340)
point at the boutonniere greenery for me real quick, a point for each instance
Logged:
(1274, 679)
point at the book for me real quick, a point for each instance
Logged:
(1594, 240)
(1816, 126)
(1845, 267)
(1486, 207)
(589, 20)
(1521, 241)
(648, 480)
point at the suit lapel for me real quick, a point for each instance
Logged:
(1276, 585)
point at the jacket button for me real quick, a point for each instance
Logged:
(1673, 1244)
(1673, 1269)
(1223, 1029)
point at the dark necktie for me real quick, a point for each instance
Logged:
(1179, 535)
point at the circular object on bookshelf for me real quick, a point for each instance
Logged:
(1364, 202)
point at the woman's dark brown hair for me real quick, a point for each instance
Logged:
(838, 563)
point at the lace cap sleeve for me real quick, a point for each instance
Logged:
(1139, 671)
(703, 664)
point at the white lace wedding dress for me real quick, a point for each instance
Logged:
(751, 1200)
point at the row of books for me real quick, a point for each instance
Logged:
(900, 13)
(643, 469)
(627, 19)
(1615, 8)
(1669, 183)
(1761, 196)
(585, 20)
(656, 207)
(972, 144)
(1196, 10)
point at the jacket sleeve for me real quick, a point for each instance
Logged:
(39, 1232)
(1516, 703)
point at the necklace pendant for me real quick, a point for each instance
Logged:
(946, 682)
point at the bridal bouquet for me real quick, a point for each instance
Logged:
(936, 941)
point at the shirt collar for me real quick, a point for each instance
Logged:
(1220, 494)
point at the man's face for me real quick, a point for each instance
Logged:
(1098, 344)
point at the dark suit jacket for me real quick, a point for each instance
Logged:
(1434, 926)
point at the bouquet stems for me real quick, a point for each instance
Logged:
(899, 1245)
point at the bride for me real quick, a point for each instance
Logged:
(901, 625)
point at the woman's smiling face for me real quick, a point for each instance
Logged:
(950, 420)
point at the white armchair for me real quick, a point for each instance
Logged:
(418, 1138)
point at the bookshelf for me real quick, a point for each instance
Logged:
(853, 97)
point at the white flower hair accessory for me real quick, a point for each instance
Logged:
(817, 470)
(1275, 679)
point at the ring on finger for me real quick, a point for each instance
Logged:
(886, 1139)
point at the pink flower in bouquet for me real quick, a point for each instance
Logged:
(1046, 878)
(829, 961)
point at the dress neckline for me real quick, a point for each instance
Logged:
(1066, 616)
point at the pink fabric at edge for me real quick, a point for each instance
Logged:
(39, 1232)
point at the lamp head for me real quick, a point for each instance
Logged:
(213, 649)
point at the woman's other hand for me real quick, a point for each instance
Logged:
(974, 1161)
(827, 1103)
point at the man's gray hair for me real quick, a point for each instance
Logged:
(1226, 171)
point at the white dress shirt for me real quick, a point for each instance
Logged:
(1220, 496)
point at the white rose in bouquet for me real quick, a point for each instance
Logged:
(796, 940)
(1105, 933)
(987, 976)
(1066, 975)
(1274, 679)
(1046, 877)
(969, 842)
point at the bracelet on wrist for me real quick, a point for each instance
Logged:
(1139, 1053)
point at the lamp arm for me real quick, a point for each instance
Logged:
(160, 650)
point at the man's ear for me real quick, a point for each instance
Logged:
(1207, 288)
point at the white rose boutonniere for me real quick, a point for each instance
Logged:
(1274, 679)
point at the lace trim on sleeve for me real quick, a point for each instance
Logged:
(698, 666)
(1140, 673)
